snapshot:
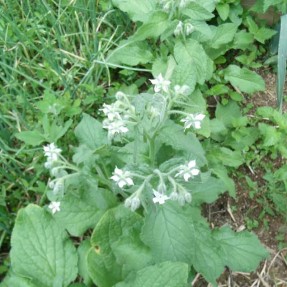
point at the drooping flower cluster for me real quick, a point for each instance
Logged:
(183, 29)
(123, 178)
(52, 152)
(118, 115)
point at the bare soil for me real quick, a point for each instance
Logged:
(234, 212)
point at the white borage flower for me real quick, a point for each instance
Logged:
(52, 152)
(160, 84)
(179, 29)
(193, 120)
(111, 111)
(122, 178)
(55, 206)
(188, 28)
(188, 171)
(115, 127)
(159, 197)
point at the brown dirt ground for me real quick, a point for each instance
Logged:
(273, 271)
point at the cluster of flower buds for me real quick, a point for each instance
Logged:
(118, 115)
(123, 178)
(52, 153)
(183, 29)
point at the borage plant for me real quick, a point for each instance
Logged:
(138, 179)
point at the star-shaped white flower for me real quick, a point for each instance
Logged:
(122, 177)
(193, 120)
(160, 84)
(52, 152)
(188, 171)
(111, 112)
(115, 127)
(55, 206)
(159, 197)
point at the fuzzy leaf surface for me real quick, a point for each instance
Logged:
(153, 27)
(116, 224)
(138, 10)
(41, 250)
(242, 250)
(243, 79)
(83, 209)
(180, 234)
(90, 132)
(191, 53)
(131, 53)
(167, 274)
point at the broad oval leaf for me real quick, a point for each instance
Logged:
(41, 250)
(243, 79)
(167, 274)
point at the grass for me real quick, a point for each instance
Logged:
(56, 47)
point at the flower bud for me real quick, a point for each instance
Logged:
(58, 187)
(187, 197)
(51, 184)
(174, 196)
(128, 202)
(119, 95)
(181, 199)
(189, 28)
(179, 29)
(135, 203)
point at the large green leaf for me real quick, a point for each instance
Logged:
(172, 135)
(243, 79)
(14, 281)
(181, 234)
(207, 191)
(33, 138)
(261, 34)
(41, 250)
(223, 35)
(83, 250)
(90, 132)
(153, 28)
(241, 251)
(83, 209)
(197, 12)
(166, 274)
(191, 53)
(131, 53)
(138, 10)
(116, 224)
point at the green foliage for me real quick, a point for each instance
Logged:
(161, 154)
(50, 260)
